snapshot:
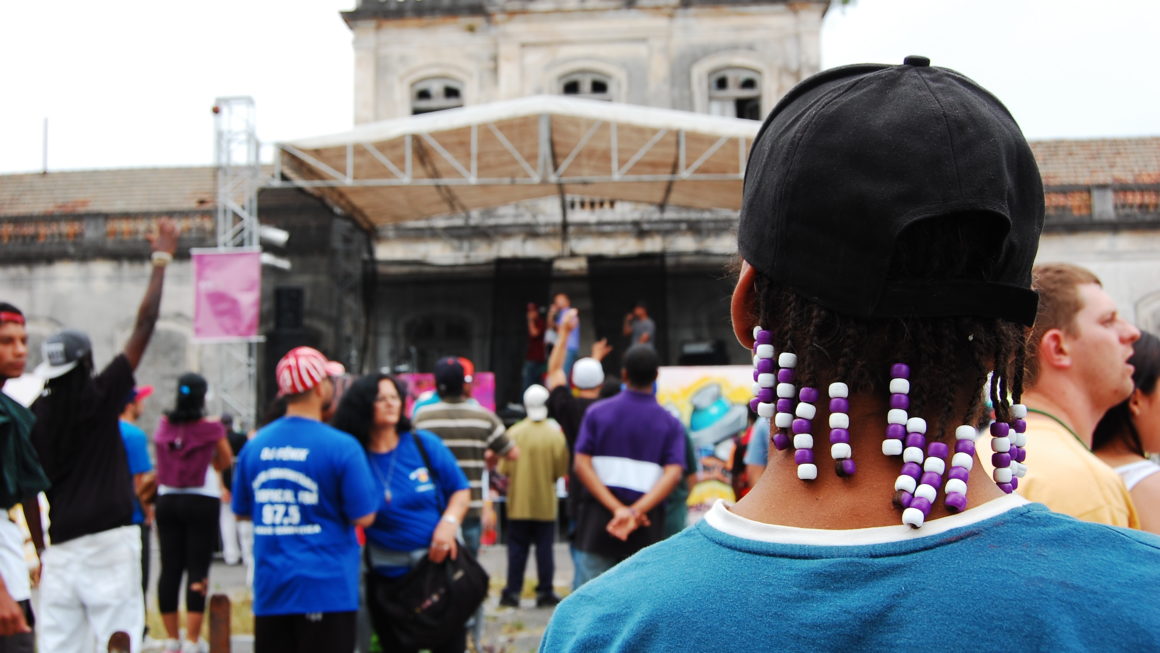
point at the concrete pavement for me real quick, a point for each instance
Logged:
(510, 630)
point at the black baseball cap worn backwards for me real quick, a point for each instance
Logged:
(852, 156)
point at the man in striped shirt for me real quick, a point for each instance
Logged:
(470, 431)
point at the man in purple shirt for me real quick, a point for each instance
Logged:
(629, 455)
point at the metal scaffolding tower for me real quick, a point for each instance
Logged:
(238, 180)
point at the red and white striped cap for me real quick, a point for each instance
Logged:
(301, 369)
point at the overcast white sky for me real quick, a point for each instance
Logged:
(130, 83)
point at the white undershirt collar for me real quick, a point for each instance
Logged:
(726, 521)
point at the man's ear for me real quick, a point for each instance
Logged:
(743, 307)
(1054, 350)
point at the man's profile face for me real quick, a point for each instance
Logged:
(1101, 346)
(135, 408)
(561, 300)
(13, 350)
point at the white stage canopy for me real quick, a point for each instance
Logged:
(490, 155)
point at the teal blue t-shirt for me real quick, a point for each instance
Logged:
(137, 449)
(1006, 576)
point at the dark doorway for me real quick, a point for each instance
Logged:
(616, 285)
(517, 282)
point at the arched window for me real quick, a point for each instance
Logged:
(735, 92)
(587, 84)
(435, 94)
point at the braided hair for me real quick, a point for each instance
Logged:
(944, 353)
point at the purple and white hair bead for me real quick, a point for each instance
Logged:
(1001, 458)
(803, 439)
(933, 467)
(893, 444)
(785, 391)
(840, 449)
(961, 463)
(1018, 443)
(764, 378)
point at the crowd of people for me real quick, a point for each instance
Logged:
(932, 328)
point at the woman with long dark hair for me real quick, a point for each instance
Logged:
(1130, 430)
(190, 449)
(422, 503)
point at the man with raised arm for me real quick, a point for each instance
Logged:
(91, 580)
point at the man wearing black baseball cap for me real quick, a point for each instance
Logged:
(890, 218)
(92, 571)
(470, 430)
(473, 433)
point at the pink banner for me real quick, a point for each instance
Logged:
(227, 294)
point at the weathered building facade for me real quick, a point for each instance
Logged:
(459, 283)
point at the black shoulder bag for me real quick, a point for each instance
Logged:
(430, 604)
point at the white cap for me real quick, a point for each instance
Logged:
(587, 373)
(535, 401)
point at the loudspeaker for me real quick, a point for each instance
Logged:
(288, 307)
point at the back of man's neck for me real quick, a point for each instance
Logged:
(305, 411)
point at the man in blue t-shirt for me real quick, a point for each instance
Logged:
(630, 454)
(559, 312)
(305, 485)
(140, 469)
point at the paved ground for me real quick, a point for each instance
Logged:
(507, 630)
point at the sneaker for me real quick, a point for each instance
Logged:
(191, 647)
(509, 600)
(171, 646)
(547, 600)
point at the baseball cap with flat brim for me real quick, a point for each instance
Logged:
(62, 351)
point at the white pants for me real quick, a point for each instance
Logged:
(228, 524)
(91, 588)
(237, 539)
(246, 535)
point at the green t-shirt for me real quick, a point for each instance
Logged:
(20, 473)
